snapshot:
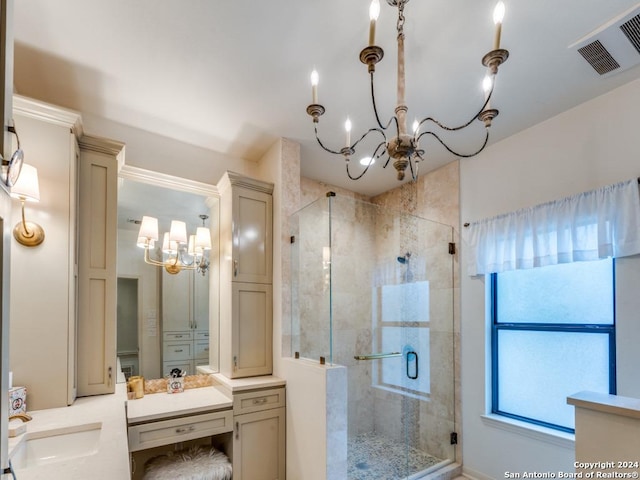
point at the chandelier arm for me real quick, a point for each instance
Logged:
(461, 155)
(151, 261)
(375, 108)
(460, 127)
(157, 263)
(414, 175)
(352, 146)
(375, 129)
(315, 128)
(375, 154)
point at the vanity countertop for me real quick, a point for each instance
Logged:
(158, 406)
(110, 462)
(239, 385)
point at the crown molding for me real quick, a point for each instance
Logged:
(168, 181)
(46, 112)
(235, 179)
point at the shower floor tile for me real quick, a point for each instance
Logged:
(374, 457)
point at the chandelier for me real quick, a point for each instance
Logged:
(177, 253)
(400, 145)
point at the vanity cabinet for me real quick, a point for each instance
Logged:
(246, 297)
(165, 432)
(97, 278)
(259, 440)
(251, 212)
(185, 321)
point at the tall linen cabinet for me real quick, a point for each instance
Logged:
(100, 160)
(246, 299)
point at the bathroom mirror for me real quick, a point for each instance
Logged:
(165, 320)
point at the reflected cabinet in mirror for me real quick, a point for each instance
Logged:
(167, 279)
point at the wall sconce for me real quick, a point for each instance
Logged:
(25, 189)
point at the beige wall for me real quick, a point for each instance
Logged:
(42, 287)
(590, 146)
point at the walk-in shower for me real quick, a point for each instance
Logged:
(372, 290)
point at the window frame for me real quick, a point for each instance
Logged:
(496, 326)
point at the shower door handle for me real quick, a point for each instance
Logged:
(415, 355)
(376, 356)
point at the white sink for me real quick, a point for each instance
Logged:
(51, 446)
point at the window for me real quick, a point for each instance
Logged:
(553, 335)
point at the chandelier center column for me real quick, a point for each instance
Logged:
(401, 107)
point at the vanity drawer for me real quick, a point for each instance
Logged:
(258, 400)
(177, 336)
(204, 336)
(202, 350)
(166, 432)
(177, 351)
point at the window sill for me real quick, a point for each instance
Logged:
(543, 434)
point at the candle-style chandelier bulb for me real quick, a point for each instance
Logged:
(498, 13)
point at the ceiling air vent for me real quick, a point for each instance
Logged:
(614, 46)
(599, 57)
(631, 29)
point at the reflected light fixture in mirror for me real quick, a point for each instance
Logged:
(178, 252)
(26, 188)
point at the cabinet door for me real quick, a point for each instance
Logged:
(201, 301)
(176, 302)
(251, 330)
(97, 280)
(252, 236)
(259, 445)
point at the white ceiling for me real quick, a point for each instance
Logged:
(233, 76)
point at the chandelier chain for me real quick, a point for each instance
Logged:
(401, 19)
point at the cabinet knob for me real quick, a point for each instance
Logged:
(235, 362)
(237, 431)
(235, 268)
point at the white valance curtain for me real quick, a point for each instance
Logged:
(589, 226)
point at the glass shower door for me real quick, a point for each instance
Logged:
(372, 291)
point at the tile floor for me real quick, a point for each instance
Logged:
(374, 457)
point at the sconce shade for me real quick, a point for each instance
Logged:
(27, 187)
(203, 238)
(148, 229)
(169, 246)
(191, 250)
(178, 232)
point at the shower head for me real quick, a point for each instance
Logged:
(404, 259)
